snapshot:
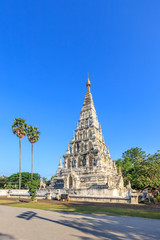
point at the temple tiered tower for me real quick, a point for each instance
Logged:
(88, 167)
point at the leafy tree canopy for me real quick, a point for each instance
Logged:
(33, 134)
(26, 179)
(19, 127)
(3, 181)
(139, 168)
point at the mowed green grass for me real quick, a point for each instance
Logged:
(84, 209)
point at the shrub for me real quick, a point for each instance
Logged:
(32, 189)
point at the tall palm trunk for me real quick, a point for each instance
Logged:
(19, 163)
(32, 163)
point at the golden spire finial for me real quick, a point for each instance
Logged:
(88, 84)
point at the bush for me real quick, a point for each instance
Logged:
(32, 189)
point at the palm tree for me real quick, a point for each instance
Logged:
(33, 136)
(19, 128)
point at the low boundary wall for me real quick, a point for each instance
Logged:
(100, 199)
(52, 194)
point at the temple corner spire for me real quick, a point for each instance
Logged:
(60, 164)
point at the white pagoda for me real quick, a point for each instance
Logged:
(89, 171)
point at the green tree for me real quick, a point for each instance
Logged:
(3, 180)
(9, 186)
(147, 172)
(53, 176)
(19, 128)
(140, 169)
(26, 179)
(128, 162)
(33, 136)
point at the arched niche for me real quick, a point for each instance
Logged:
(84, 134)
(74, 163)
(90, 161)
(79, 161)
(90, 146)
(85, 147)
(69, 162)
(90, 133)
(78, 147)
(70, 181)
(82, 147)
(84, 161)
(74, 148)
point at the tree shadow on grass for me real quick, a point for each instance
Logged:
(101, 227)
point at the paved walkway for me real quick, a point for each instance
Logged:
(30, 224)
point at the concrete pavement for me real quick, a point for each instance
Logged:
(31, 224)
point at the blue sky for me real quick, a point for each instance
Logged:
(46, 50)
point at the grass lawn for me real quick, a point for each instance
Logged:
(83, 209)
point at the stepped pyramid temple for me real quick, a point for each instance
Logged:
(89, 173)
